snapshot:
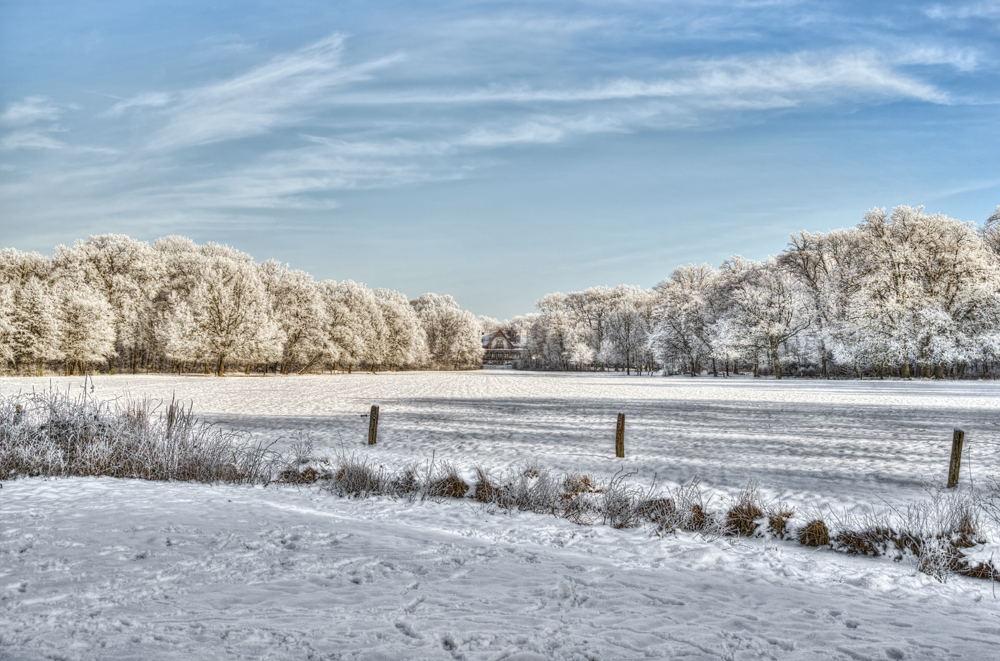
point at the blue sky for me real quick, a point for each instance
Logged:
(495, 151)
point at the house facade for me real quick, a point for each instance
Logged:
(501, 348)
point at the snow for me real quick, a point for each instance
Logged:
(112, 569)
(820, 443)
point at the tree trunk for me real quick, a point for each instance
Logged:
(39, 367)
(309, 364)
(221, 371)
(904, 370)
(939, 371)
(777, 363)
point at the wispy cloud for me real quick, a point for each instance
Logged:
(30, 140)
(962, 59)
(147, 100)
(33, 109)
(989, 9)
(735, 83)
(279, 93)
(354, 127)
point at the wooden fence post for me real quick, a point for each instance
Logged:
(373, 426)
(620, 436)
(956, 457)
(171, 418)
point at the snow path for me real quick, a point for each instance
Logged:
(818, 444)
(116, 569)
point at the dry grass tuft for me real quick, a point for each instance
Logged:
(661, 511)
(815, 534)
(980, 570)
(742, 518)
(698, 519)
(450, 485)
(486, 491)
(406, 483)
(356, 477)
(864, 542)
(777, 521)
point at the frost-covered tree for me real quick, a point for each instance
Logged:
(86, 325)
(552, 340)
(589, 310)
(6, 328)
(33, 334)
(17, 268)
(627, 327)
(297, 307)
(453, 335)
(354, 322)
(126, 272)
(921, 289)
(683, 317)
(231, 310)
(991, 231)
(766, 306)
(406, 343)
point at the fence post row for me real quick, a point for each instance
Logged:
(956, 457)
(620, 436)
(373, 426)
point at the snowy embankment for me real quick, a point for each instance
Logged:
(103, 568)
(117, 569)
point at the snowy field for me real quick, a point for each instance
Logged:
(106, 569)
(816, 442)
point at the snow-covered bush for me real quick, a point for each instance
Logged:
(52, 434)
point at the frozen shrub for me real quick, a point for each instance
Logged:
(742, 517)
(448, 485)
(532, 490)
(620, 505)
(486, 491)
(815, 534)
(53, 434)
(660, 511)
(406, 483)
(356, 477)
(862, 542)
(575, 484)
(777, 520)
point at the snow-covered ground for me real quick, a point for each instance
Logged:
(104, 569)
(819, 443)
(113, 569)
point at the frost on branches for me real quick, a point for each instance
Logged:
(112, 303)
(902, 294)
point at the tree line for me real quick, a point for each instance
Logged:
(903, 294)
(115, 304)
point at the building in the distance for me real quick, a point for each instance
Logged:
(502, 348)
